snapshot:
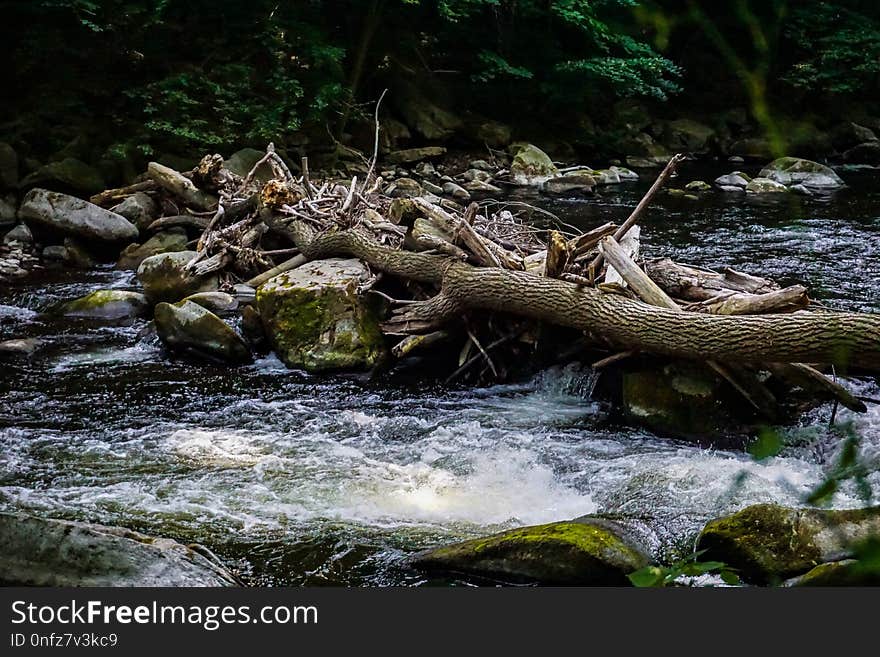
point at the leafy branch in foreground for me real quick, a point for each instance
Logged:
(679, 571)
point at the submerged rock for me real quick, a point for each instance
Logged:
(189, 328)
(107, 304)
(170, 241)
(140, 209)
(165, 278)
(585, 551)
(71, 215)
(768, 543)
(316, 318)
(531, 166)
(39, 552)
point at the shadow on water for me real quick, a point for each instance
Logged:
(296, 479)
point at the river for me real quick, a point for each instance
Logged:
(333, 480)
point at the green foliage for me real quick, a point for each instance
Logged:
(848, 466)
(681, 571)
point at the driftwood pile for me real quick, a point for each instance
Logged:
(485, 276)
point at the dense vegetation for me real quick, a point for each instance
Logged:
(175, 75)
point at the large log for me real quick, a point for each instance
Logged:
(845, 339)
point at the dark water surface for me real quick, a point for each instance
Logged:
(298, 479)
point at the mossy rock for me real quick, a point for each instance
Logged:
(531, 166)
(798, 171)
(768, 543)
(189, 328)
(765, 186)
(698, 186)
(163, 242)
(165, 278)
(587, 551)
(316, 319)
(107, 305)
(847, 572)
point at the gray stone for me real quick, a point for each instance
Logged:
(165, 278)
(765, 186)
(531, 166)
(623, 173)
(795, 170)
(41, 552)
(482, 165)
(20, 234)
(737, 180)
(217, 302)
(74, 216)
(107, 305)
(605, 176)
(404, 188)
(456, 191)
(476, 174)
(140, 209)
(480, 186)
(19, 347)
(55, 253)
(241, 162)
(574, 184)
(67, 174)
(8, 167)
(430, 187)
(425, 169)
(77, 254)
(133, 255)
(736, 159)
(189, 328)
(317, 319)
(586, 551)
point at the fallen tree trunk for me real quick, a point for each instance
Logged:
(844, 339)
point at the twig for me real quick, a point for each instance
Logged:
(376, 140)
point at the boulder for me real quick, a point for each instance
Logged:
(867, 153)
(573, 184)
(404, 188)
(140, 209)
(8, 167)
(171, 241)
(531, 166)
(736, 181)
(683, 400)
(849, 134)
(189, 328)
(73, 216)
(47, 552)
(765, 186)
(687, 135)
(587, 551)
(241, 162)
(108, 305)
(217, 302)
(68, 174)
(768, 543)
(316, 317)
(456, 191)
(165, 278)
(698, 186)
(795, 170)
(21, 234)
(427, 119)
(415, 154)
(847, 572)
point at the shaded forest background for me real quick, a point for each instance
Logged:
(118, 82)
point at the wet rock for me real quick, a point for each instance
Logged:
(604, 176)
(241, 162)
(426, 170)
(19, 347)
(133, 255)
(480, 186)
(189, 328)
(531, 166)
(867, 153)
(736, 159)
(316, 318)
(217, 302)
(431, 188)
(682, 400)
(765, 186)
(648, 161)
(481, 165)
(43, 552)
(456, 191)
(244, 293)
(736, 181)
(586, 551)
(140, 209)
(68, 174)
(795, 170)
(847, 572)
(476, 174)
(165, 278)
(252, 326)
(70, 215)
(77, 254)
(404, 188)
(768, 543)
(55, 254)
(20, 234)
(698, 186)
(8, 167)
(415, 154)
(107, 305)
(623, 173)
(573, 184)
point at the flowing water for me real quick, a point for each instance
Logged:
(299, 479)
